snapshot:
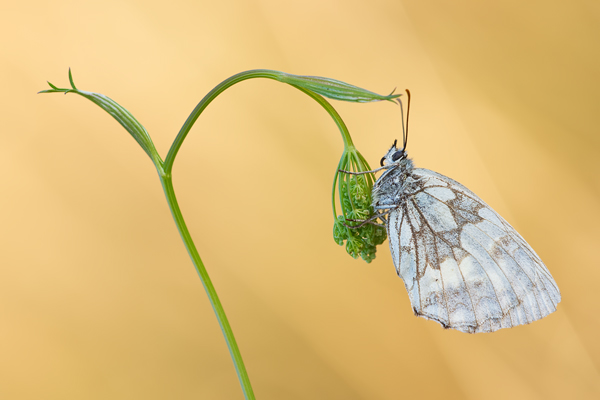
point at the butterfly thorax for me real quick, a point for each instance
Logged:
(390, 189)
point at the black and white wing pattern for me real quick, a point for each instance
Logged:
(462, 264)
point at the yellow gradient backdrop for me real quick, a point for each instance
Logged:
(98, 299)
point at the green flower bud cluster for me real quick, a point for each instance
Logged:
(354, 191)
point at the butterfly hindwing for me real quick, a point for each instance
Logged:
(462, 264)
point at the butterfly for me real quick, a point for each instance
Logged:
(462, 264)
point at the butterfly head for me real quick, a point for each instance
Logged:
(393, 156)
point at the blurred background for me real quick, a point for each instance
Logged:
(98, 299)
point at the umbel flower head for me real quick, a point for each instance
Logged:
(354, 191)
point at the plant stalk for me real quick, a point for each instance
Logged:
(165, 170)
(315, 87)
(227, 83)
(167, 184)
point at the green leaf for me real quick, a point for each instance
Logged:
(71, 80)
(333, 88)
(123, 117)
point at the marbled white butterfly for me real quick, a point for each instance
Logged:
(462, 264)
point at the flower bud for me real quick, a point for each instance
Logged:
(355, 200)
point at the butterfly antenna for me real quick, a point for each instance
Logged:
(403, 130)
(407, 114)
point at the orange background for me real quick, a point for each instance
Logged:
(98, 299)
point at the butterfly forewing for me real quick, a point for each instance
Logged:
(462, 264)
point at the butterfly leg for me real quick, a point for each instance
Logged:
(364, 222)
(368, 221)
(368, 172)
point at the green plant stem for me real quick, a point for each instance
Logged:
(315, 87)
(165, 173)
(167, 184)
(227, 83)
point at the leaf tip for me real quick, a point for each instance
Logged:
(71, 80)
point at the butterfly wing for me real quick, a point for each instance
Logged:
(462, 264)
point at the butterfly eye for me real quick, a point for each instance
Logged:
(397, 155)
(382, 160)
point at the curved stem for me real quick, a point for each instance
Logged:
(333, 113)
(242, 76)
(165, 175)
(341, 165)
(227, 83)
(167, 183)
